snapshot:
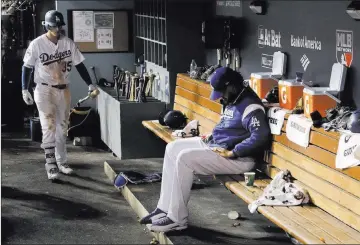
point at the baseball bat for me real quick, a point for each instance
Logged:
(96, 79)
(92, 95)
(116, 81)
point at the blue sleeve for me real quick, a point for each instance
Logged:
(26, 77)
(257, 125)
(84, 74)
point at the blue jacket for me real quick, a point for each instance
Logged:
(243, 128)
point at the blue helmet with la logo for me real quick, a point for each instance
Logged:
(53, 18)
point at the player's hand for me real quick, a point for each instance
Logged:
(223, 152)
(27, 97)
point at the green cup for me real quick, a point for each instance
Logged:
(249, 178)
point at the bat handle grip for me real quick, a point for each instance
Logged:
(82, 100)
(94, 93)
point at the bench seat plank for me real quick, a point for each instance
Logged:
(158, 130)
(331, 191)
(325, 142)
(322, 235)
(318, 154)
(305, 218)
(326, 173)
(325, 225)
(249, 194)
(205, 124)
(205, 102)
(197, 87)
(201, 83)
(337, 224)
(313, 224)
(318, 199)
(213, 116)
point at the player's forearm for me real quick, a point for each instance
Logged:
(256, 143)
(84, 73)
(26, 77)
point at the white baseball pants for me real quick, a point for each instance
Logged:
(184, 158)
(54, 108)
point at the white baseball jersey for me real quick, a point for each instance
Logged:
(52, 62)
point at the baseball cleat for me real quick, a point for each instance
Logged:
(165, 225)
(153, 216)
(65, 169)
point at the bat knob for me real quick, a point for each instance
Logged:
(94, 93)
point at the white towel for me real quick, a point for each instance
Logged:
(346, 156)
(298, 129)
(276, 117)
(280, 192)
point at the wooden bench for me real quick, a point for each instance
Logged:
(333, 217)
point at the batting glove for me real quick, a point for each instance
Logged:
(27, 97)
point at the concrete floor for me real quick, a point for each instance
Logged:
(209, 205)
(81, 209)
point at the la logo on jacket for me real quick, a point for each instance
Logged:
(255, 122)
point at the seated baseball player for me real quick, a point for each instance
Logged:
(241, 135)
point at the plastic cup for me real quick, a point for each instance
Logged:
(249, 178)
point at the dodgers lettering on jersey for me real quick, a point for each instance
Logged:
(52, 62)
(47, 59)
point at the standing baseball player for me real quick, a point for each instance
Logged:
(242, 134)
(52, 56)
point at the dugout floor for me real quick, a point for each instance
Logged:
(81, 209)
